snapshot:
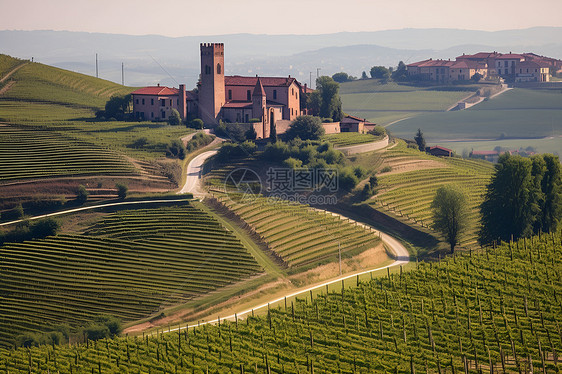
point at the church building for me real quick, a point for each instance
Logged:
(260, 102)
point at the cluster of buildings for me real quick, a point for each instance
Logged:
(513, 67)
(261, 102)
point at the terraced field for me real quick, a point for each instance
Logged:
(409, 189)
(27, 153)
(299, 235)
(128, 265)
(488, 311)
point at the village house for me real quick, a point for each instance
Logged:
(514, 67)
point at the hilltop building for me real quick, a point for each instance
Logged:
(261, 102)
(526, 67)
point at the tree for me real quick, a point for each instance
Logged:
(476, 77)
(117, 106)
(44, 227)
(380, 72)
(306, 128)
(510, 205)
(174, 118)
(176, 149)
(251, 134)
(401, 72)
(420, 141)
(273, 132)
(547, 174)
(325, 101)
(364, 75)
(450, 214)
(196, 123)
(81, 195)
(121, 190)
(341, 77)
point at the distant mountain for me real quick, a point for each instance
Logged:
(152, 59)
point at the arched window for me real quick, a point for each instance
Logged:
(207, 69)
(219, 69)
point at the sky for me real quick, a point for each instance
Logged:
(177, 18)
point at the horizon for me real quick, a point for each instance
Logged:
(306, 17)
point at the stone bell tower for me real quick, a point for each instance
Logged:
(211, 92)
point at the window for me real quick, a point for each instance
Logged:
(170, 102)
(151, 101)
(151, 114)
(520, 70)
(506, 63)
(207, 69)
(229, 94)
(163, 102)
(137, 101)
(274, 94)
(142, 102)
(247, 118)
(219, 69)
(248, 95)
(499, 71)
(535, 70)
(178, 102)
(163, 114)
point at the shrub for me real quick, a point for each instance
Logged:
(278, 151)
(255, 120)
(174, 118)
(139, 142)
(176, 149)
(378, 131)
(347, 179)
(196, 123)
(386, 169)
(359, 172)
(305, 127)
(81, 195)
(251, 134)
(292, 163)
(122, 190)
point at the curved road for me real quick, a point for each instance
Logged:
(193, 179)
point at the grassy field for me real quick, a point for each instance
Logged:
(128, 265)
(385, 103)
(518, 113)
(492, 310)
(408, 190)
(349, 138)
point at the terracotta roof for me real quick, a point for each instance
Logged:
(238, 104)
(258, 89)
(533, 64)
(355, 118)
(415, 64)
(468, 64)
(510, 56)
(433, 63)
(440, 148)
(237, 80)
(479, 56)
(156, 91)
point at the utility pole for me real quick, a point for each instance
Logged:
(97, 66)
(122, 74)
(339, 254)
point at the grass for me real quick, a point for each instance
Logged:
(349, 138)
(8, 63)
(517, 113)
(492, 310)
(386, 103)
(129, 265)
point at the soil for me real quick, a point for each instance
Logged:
(409, 165)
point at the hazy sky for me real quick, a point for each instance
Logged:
(207, 17)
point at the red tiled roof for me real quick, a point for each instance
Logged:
(238, 104)
(433, 63)
(156, 91)
(440, 148)
(355, 118)
(468, 64)
(510, 56)
(237, 80)
(479, 55)
(415, 64)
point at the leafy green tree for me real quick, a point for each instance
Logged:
(117, 106)
(325, 101)
(196, 123)
(450, 214)
(401, 72)
(273, 133)
(81, 195)
(380, 72)
(420, 141)
(174, 118)
(547, 174)
(510, 205)
(251, 133)
(44, 227)
(122, 190)
(305, 128)
(342, 77)
(176, 149)
(364, 75)
(476, 77)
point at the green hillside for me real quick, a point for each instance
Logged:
(518, 113)
(492, 310)
(385, 103)
(128, 265)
